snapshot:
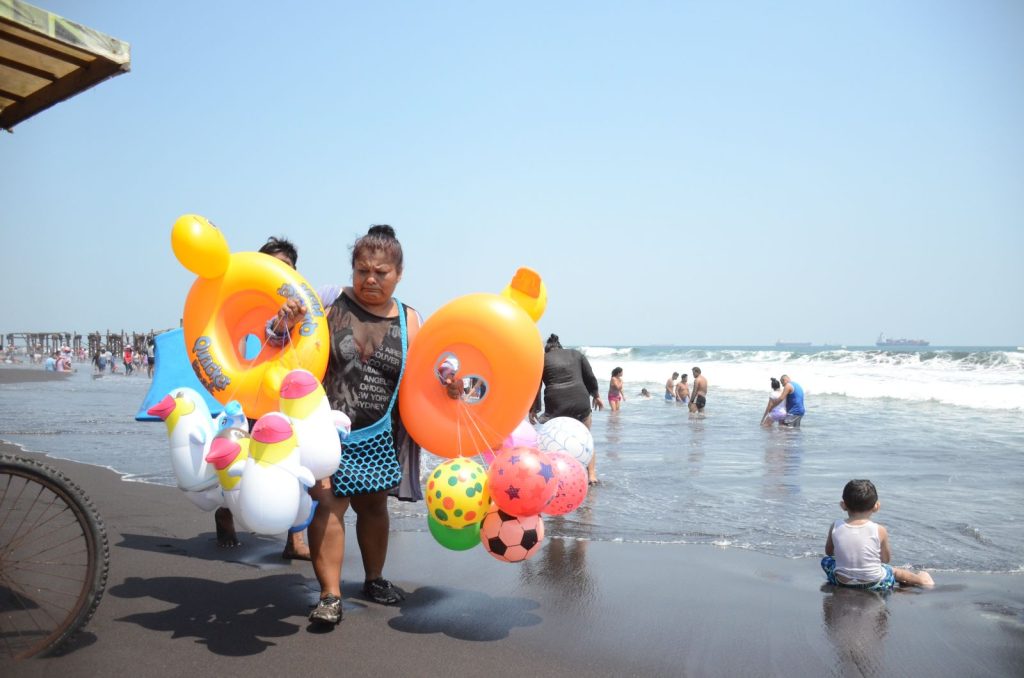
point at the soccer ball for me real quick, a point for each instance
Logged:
(566, 434)
(510, 538)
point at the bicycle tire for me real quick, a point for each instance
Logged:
(54, 554)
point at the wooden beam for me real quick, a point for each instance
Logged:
(25, 68)
(64, 88)
(42, 48)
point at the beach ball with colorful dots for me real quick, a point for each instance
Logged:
(457, 494)
(522, 481)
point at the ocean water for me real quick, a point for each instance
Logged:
(940, 431)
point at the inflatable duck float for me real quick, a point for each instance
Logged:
(274, 493)
(318, 429)
(190, 432)
(227, 309)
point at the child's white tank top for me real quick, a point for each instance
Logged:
(858, 551)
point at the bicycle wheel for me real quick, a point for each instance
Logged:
(54, 558)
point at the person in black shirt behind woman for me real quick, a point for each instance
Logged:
(570, 390)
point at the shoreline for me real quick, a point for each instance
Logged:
(586, 608)
(26, 374)
(652, 494)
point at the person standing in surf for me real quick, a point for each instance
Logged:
(776, 413)
(615, 390)
(570, 390)
(683, 391)
(700, 392)
(670, 387)
(793, 395)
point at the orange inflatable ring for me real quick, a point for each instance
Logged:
(498, 348)
(232, 300)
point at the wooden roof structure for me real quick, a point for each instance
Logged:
(45, 59)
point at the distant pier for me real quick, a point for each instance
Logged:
(32, 344)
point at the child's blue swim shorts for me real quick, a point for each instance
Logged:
(886, 583)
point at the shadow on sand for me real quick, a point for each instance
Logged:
(254, 551)
(232, 619)
(461, 614)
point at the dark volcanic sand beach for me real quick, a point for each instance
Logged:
(177, 605)
(12, 374)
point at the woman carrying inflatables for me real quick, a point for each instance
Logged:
(370, 334)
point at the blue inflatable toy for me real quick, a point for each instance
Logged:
(172, 370)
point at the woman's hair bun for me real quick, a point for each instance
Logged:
(381, 231)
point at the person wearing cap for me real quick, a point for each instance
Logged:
(570, 390)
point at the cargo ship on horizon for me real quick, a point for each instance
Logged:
(883, 341)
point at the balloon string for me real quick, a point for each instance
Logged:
(473, 424)
(460, 415)
(476, 441)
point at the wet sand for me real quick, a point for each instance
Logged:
(177, 605)
(14, 374)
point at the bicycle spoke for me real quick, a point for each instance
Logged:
(53, 558)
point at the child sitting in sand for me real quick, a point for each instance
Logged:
(857, 549)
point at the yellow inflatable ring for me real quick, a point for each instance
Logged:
(499, 350)
(232, 300)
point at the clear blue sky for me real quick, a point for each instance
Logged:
(679, 172)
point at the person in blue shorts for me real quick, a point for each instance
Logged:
(793, 395)
(857, 548)
(670, 387)
(683, 390)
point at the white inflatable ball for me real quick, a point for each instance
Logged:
(565, 434)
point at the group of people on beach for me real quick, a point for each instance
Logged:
(59, 361)
(37, 355)
(678, 390)
(130, 359)
(370, 331)
(785, 402)
(857, 550)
